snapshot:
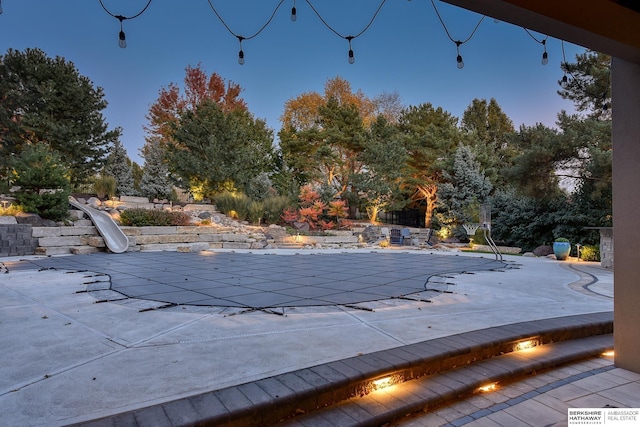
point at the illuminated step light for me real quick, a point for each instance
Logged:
(488, 388)
(526, 344)
(609, 353)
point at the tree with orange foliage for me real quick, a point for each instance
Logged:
(198, 87)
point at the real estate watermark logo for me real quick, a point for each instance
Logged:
(603, 417)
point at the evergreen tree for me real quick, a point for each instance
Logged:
(463, 190)
(47, 100)
(43, 181)
(118, 166)
(155, 183)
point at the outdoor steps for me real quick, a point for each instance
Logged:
(427, 373)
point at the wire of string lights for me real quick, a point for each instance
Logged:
(122, 38)
(242, 38)
(458, 43)
(351, 56)
(543, 42)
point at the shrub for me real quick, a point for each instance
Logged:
(255, 212)
(43, 181)
(139, 217)
(105, 186)
(562, 240)
(11, 210)
(273, 207)
(590, 253)
(235, 205)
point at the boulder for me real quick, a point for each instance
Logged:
(543, 250)
(34, 220)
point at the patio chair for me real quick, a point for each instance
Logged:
(396, 236)
(405, 233)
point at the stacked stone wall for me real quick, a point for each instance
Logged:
(17, 240)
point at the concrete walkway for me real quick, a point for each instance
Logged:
(69, 359)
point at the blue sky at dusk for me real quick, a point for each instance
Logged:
(405, 50)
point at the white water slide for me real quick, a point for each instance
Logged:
(113, 236)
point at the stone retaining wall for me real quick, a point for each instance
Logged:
(17, 240)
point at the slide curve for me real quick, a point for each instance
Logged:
(113, 236)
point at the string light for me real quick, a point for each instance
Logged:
(543, 42)
(351, 56)
(564, 80)
(242, 38)
(0, 7)
(240, 52)
(459, 60)
(294, 12)
(122, 38)
(458, 43)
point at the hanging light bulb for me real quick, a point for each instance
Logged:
(122, 39)
(545, 55)
(564, 79)
(352, 58)
(241, 52)
(459, 61)
(294, 12)
(0, 7)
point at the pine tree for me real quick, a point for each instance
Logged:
(155, 182)
(464, 190)
(119, 166)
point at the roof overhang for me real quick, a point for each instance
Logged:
(608, 26)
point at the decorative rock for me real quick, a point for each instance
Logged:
(34, 220)
(204, 215)
(301, 226)
(8, 220)
(134, 199)
(75, 214)
(543, 250)
(529, 255)
(94, 202)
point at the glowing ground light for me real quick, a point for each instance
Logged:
(385, 382)
(488, 388)
(609, 353)
(526, 345)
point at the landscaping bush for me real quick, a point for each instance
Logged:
(104, 186)
(43, 181)
(139, 217)
(590, 253)
(273, 208)
(255, 212)
(234, 205)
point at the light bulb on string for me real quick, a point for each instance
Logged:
(240, 52)
(122, 39)
(352, 58)
(545, 55)
(459, 61)
(294, 12)
(0, 7)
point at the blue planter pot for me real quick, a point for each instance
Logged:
(561, 250)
